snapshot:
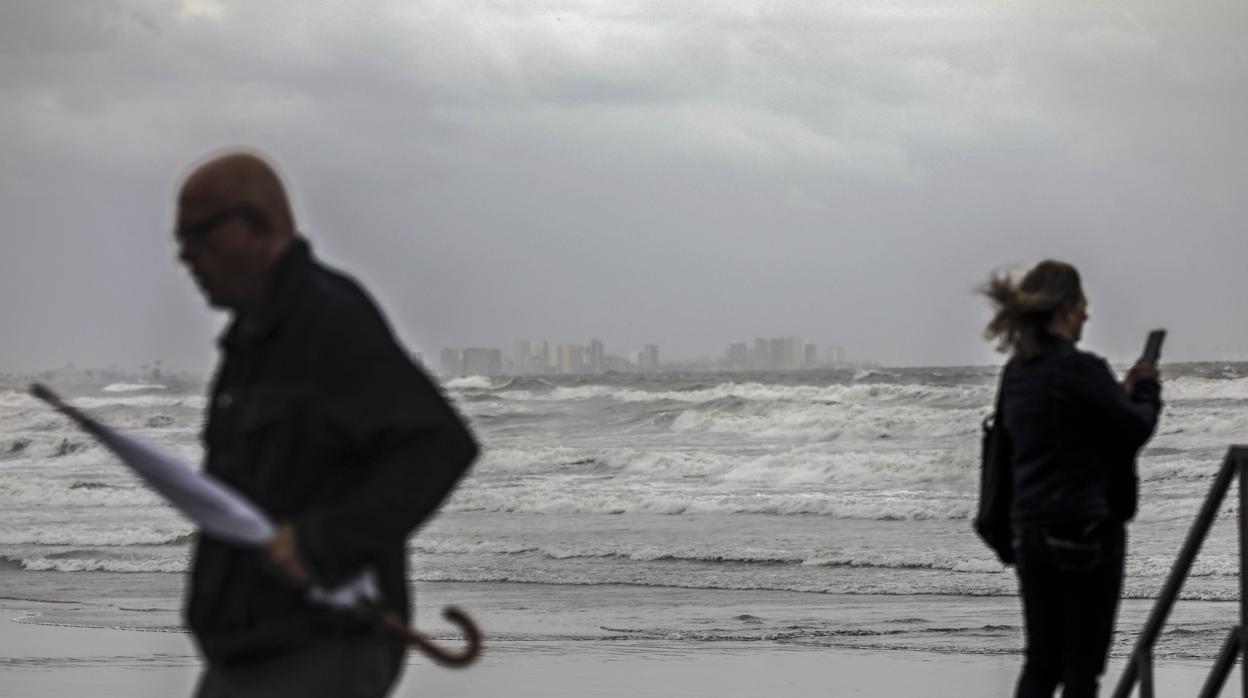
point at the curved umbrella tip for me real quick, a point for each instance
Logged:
(472, 634)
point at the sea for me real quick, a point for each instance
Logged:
(793, 509)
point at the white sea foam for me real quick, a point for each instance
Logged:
(469, 383)
(917, 559)
(1194, 388)
(801, 468)
(74, 564)
(810, 423)
(196, 402)
(1171, 468)
(897, 484)
(1181, 425)
(1179, 510)
(964, 395)
(885, 506)
(866, 373)
(459, 547)
(71, 448)
(864, 470)
(951, 587)
(1204, 566)
(855, 557)
(535, 458)
(945, 585)
(63, 493)
(862, 394)
(131, 387)
(97, 535)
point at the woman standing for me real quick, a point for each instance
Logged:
(1068, 434)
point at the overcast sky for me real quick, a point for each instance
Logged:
(679, 173)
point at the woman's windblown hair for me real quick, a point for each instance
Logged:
(1024, 309)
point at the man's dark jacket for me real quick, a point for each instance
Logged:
(1066, 442)
(320, 418)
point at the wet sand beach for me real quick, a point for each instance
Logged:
(54, 661)
(540, 643)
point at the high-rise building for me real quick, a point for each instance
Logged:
(775, 353)
(571, 358)
(522, 356)
(738, 356)
(835, 355)
(614, 362)
(784, 352)
(531, 357)
(811, 357)
(793, 352)
(482, 362)
(596, 361)
(648, 358)
(550, 357)
(451, 362)
(761, 359)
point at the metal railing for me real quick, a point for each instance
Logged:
(1140, 668)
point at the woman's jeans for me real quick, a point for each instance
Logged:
(1071, 578)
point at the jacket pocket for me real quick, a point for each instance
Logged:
(276, 430)
(1076, 548)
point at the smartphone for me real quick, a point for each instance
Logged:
(1152, 347)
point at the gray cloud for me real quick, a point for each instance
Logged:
(639, 172)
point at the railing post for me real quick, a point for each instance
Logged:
(1239, 455)
(1145, 660)
(1222, 667)
(1178, 573)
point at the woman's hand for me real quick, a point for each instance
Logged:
(1138, 372)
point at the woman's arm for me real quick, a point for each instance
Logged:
(1124, 418)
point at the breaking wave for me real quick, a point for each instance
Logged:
(853, 394)
(939, 560)
(195, 402)
(1197, 388)
(170, 564)
(469, 383)
(132, 387)
(888, 506)
(94, 536)
(952, 587)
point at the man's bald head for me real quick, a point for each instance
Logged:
(234, 223)
(239, 178)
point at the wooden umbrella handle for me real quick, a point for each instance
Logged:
(442, 656)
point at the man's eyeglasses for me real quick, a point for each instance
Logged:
(201, 229)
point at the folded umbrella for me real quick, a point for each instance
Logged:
(224, 513)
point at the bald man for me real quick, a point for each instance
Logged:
(319, 417)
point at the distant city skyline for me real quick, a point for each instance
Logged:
(546, 357)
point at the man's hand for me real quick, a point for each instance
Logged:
(284, 555)
(1140, 372)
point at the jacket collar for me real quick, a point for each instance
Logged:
(1054, 344)
(1058, 342)
(286, 280)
